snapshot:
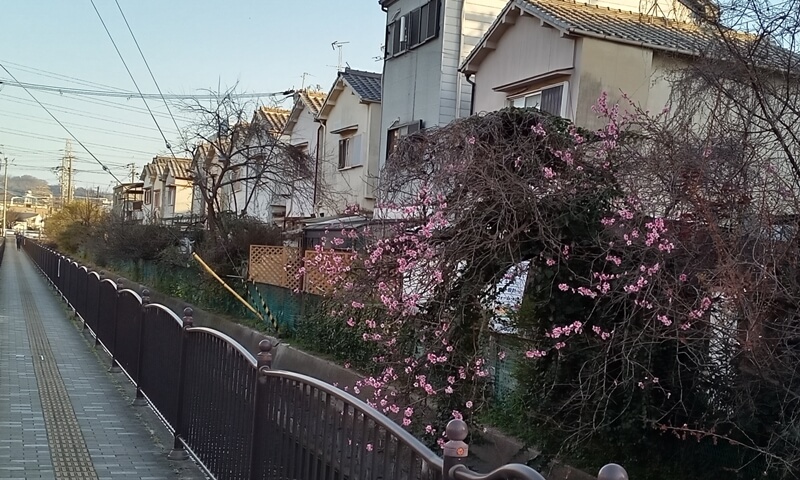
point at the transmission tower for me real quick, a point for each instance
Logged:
(66, 175)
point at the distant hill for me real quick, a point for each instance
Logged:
(20, 185)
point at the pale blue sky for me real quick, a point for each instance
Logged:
(191, 45)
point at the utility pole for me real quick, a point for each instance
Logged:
(132, 172)
(5, 193)
(66, 175)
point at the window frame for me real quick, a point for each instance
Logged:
(400, 132)
(148, 196)
(406, 32)
(539, 91)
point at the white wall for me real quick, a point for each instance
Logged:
(525, 50)
(350, 185)
(300, 201)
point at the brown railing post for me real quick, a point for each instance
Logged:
(455, 450)
(264, 358)
(178, 452)
(113, 347)
(612, 471)
(139, 400)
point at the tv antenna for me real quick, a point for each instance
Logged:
(338, 45)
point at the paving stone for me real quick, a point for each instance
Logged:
(74, 420)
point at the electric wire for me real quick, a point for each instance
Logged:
(130, 74)
(62, 125)
(125, 94)
(101, 146)
(146, 64)
(73, 111)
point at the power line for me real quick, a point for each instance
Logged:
(79, 126)
(110, 37)
(62, 125)
(60, 76)
(73, 111)
(20, 133)
(148, 67)
(63, 90)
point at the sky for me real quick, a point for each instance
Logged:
(190, 45)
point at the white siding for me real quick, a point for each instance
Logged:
(352, 184)
(525, 50)
(465, 23)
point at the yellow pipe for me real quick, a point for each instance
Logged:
(238, 297)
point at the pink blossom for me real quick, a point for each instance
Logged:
(457, 415)
(369, 447)
(563, 287)
(469, 404)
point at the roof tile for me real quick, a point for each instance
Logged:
(367, 85)
(312, 99)
(276, 117)
(656, 32)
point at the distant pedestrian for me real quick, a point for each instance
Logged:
(19, 241)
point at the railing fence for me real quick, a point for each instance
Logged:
(239, 418)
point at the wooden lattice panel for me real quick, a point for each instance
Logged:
(316, 281)
(274, 265)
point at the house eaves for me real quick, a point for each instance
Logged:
(573, 18)
(304, 99)
(365, 85)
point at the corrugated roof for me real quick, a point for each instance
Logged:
(367, 85)
(275, 117)
(312, 99)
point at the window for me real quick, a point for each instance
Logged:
(171, 196)
(395, 134)
(549, 100)
(148, 196)
(157, 198)
(235, 183)
(412, 29)
(350, 151)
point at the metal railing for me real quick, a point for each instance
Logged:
(236, 416)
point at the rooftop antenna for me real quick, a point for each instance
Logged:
(303, 84)
(339, 45)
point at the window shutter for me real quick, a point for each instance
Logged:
(413, 28)
(387, 47)
(551, 100)
(396, 26)
(342, 152)
(433, 19)
(355, 157)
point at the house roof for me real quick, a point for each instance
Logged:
(178, 167)
(367, 85)
(582, 19)
(275, 117)
(313, 100)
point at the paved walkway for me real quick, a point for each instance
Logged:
(62, 414)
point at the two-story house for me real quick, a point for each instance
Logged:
(560, 55)
(349, 156)
(307, 134)
(167, 186)
(426, 40)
